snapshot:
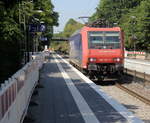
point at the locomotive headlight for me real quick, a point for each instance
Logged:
(117, 59)
(92, 59)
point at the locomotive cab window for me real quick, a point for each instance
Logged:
(104, 40)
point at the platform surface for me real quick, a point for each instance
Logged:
(139, 60)
(70, 97)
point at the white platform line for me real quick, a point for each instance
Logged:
(86, 112)
(120, 108)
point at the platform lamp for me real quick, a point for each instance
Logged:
(134, 38)
(36, 32)
(22, 21)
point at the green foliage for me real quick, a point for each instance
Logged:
(132, 15)
(48, 16)
(14, 20)
(70, 27)
(137, 23)
(9, 42)
(62, 47)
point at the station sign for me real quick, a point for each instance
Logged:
(37, 27)
(33, 28)
(42, 28)
(43, 38)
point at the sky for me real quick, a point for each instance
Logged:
(73, 9)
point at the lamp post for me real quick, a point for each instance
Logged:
(23, 21)
(37, 21)
(133, 22)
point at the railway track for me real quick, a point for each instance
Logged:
(132, 93)
(139, 105)
(141, 98)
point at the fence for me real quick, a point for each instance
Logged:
(16, 92)
(137, 55)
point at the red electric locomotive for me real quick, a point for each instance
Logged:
(98, 51)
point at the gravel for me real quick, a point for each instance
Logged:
(140, 89)
(134, 105)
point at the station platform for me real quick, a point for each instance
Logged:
(139, 60)
(70, 97)
(139, 65)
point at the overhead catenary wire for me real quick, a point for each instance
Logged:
(91, 4)
(86, 13)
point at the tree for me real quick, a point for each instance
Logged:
(132, 15)
(70, 27)
(140, 27)
(48, 16)
(9, 42)
(15, 17)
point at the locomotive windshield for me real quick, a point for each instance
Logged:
(104, 40)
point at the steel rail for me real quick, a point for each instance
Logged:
(134, 94)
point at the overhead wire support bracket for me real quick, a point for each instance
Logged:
(99, 23)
